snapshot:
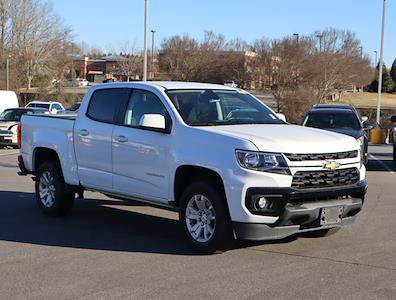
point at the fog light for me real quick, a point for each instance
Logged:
(262, 202)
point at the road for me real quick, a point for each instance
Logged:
(110, 249)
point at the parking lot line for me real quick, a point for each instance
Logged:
(382, 164)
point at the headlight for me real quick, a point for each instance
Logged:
(262, 161)
(361, 140)
(362, 150)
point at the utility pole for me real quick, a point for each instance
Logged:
(320, 36)
(152, 52)
(380, 64)
(145, 41)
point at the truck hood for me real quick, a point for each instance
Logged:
(4, 125)
(289, 138)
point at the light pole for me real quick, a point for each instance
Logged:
(375, 62)
(8, 72)
(361, 51)
(297, 36)
(152, 52)
(380, 64)
(145, 41)
(320, 36)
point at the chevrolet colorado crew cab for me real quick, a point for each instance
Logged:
(216, 154)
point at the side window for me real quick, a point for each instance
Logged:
(56, 106)
(105, 103)
(143, 102)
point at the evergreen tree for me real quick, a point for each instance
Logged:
(393, 74)
(387, 82)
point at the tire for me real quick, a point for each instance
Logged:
(321, 232)
(54, 199)
(204, 218)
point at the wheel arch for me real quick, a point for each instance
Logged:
(186, 174)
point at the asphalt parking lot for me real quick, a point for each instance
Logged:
(110, 249)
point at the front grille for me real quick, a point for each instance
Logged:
(322, 156)
(320, 179)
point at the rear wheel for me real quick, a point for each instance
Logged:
(204, 218)
(52, 197)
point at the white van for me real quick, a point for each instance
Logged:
(8, 99)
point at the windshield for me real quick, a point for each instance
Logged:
(75, 107)
(40, 105)
(11, 115)
(220, 107)
(332, 121)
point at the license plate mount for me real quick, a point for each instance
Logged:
(331, 215)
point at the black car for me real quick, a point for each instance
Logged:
(393, 119)
(341, 118)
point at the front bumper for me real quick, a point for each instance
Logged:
(7, 138)
(298, 210)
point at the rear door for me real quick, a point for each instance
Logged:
(93, 134)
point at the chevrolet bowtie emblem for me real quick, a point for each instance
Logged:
(331, 165)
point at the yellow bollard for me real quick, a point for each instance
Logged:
(377, 136)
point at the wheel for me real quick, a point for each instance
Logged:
(321, 232)
(51, 194)
(204, 218)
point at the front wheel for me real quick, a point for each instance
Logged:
(204, 218)
(52, 197)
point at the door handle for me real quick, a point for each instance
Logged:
(121, 139)
(83, 132)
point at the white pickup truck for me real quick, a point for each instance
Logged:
(217, 155)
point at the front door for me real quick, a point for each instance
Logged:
(141, 157)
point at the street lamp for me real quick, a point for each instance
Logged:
(152, 52)
(297, 36)
(320, 36)
(145, 41)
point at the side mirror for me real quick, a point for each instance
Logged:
(153, 121)
(367, 126)
(364, 119)
(393, 119)
(281, 116)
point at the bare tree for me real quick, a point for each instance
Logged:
(35, 36)
(130, 60)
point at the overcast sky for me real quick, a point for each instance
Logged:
(108, 24)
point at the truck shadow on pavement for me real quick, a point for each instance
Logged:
(383, 162)
(95, 224)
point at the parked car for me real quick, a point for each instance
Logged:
(81, 82)
(341, 118)
(9, 120)
(230, 83)
(216, 154)
(8, 99)
(393, 119)
(109, 80)
(52, 107)
(71, 110)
